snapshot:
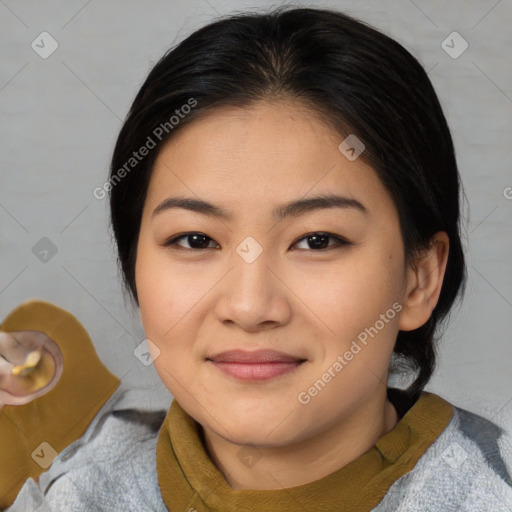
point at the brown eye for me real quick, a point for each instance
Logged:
(194, 240)
(320, 241)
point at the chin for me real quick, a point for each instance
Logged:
(256, 437)
(268, 429)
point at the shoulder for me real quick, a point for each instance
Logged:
(491, 438)
(467, 468)
(111, 467)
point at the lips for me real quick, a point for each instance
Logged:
(259, 356)
(255, 366)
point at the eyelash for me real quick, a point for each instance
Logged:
(339, 241)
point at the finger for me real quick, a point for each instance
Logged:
(11, 349)
(5, 368)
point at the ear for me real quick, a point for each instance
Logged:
(423, 283)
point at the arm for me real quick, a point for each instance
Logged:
(33, 433)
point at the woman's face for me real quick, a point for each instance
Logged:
(254, 280)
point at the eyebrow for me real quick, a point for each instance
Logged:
(291, 209)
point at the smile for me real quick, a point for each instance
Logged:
(256, 371)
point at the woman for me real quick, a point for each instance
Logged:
(285, 202)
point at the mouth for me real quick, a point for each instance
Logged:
(256, 365)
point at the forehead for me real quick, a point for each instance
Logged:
(263, 154)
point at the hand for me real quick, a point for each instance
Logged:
(31, 364)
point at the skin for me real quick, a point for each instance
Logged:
(293, 298)
(14, 348)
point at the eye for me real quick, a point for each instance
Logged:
(320, 241)
(194, 240)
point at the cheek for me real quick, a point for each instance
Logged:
(166, 299)
(168, 295)
(158, 289)
(351, 298)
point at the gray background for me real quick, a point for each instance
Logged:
(60, 117)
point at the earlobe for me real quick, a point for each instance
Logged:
(424, 283)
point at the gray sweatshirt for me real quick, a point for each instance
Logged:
(112, 468)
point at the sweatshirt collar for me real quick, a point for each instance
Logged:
(189, 479)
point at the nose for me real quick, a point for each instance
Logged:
(253, 295)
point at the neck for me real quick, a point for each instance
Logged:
(308, 460)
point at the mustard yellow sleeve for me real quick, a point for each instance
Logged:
(31, 435)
